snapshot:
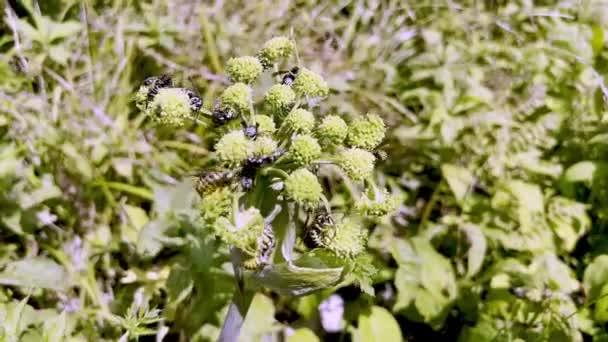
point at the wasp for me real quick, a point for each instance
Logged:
(154, 83)
(290, 76)
(381, 155)
(314, 231)
(265, 246)
(196, 102)
(210, 180)
(252, 164)
(221, 116)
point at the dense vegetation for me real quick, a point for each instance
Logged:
(497, 150)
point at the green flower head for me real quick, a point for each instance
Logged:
(299, 120)
(366, 133)
(237, 97)
(244, 231)
(310, 84)
(304, 150)
(265, 124)
(171, 107)
(279, 98)
(263, 146)
(275, 49)
(379, 204)
(216, 204)
(358, 164)
(346, 239)
(244, 69)
(233, 148)
(141, 97)
(332, 129)
(303, 187)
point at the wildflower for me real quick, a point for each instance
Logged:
(237, 97)
(279, 98)
(244, 69)
(275, 49)
(233, 148)
(265, 124)
(171, 107)
(303, 187)
(378, 203)
(216, 204)
(263, 146)
(346, 239)
(243, 231)
(299, 120)
(358, 164)
(304, 150)
(366, 133)
(310, 84)
(332, 129)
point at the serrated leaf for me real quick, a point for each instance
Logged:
(378, 324)
(38, 272)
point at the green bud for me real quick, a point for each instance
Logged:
(216, 204)
(357, 163)
(304, 150)
(303, 187)
(346, 239)
(171, 107)
(237, 97)
(310, 84)
(265, 124)
(332, 129)
(244, 231)
(379, 204)
(275, 49)
(279, 98)
(299, 120)
(263, 146)
(244, 69)
(141, 97)
(366, 133)
(233, 148)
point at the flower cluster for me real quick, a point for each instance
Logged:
(269, 152)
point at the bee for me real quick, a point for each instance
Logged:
(196, 102)
(154, 83)
(210, 180)
(266, 244)
(290, 76)
(321, 222)
(381, 155)
(221, 116)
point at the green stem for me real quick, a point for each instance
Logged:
(429, 206)
(211, 48)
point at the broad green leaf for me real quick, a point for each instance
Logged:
(378, 325)
(601, 306)
(46, 191)
(59, 54)
(62, 30)
(459, 179)
(76, 161)
(529, 196)
(303, 335)
(136, 215)
(477, 249)
(595, 276)
(123, 166)
(54, 330)
(584, 171)
(152, 237)
(259, 319)
(35, 272)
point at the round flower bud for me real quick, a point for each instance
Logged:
(275, 49)
(265, 124)
(216, 204)
(366, 133)
(141, 97)
(303, 187)
(244, 69)
(346, 239)
(279, 98)
(299, 120)
(332, 129)
(383, 203)
(233, 148)
(237, 97)
(243, 231)
(308, 83)
(263, 146)
(171, 107)
(304, 150)
(357, 163)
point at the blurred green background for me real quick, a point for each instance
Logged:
(497, 113)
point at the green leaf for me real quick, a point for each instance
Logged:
(459, 179)
(259, 319)
(303, 335)
(477, 249)
(597, 39)
(601, 306)
(378, 324)
(62, 30)
(584, 171)
(59, 54)
(54, 330)
(35, 272)
(76, 161)
(46, 191)
(595, 276)
(152, 237)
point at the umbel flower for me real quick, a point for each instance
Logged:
(271, 150)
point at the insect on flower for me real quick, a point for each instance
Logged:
(251, 131)
(221, 116)
(252, 164)
(290, 76)
(154, 83)
(196, 102)
(265, 246)
(317, 229)
(210, 180)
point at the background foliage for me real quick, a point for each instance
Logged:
(497, 112)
